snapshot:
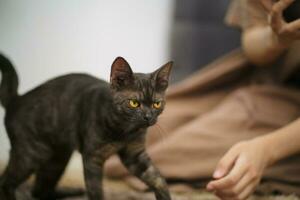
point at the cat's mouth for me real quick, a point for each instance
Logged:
(144, 123)
(151, 122)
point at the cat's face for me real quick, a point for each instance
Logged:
(139, 98)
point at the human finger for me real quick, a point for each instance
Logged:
(226, 163)
(276, 17)
(246, 180)
(233, 177)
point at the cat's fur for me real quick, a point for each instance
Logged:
(78, 111)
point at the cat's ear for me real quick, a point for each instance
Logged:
(162, 76)
(121, 74)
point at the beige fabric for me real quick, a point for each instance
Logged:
(199, 126)
(219, 106)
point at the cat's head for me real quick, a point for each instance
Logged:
(140, 98)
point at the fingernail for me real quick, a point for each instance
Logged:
(218, 174)
(209, 187)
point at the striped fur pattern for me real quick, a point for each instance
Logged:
(78, 111)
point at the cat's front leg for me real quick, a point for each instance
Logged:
(135, 158)
(93, 175)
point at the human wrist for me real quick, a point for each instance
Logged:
(267, 145)
(275, 149)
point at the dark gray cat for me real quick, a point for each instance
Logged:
(81, 112)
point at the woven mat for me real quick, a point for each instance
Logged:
(118, 191)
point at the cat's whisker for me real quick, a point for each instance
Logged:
(113, 119)
(161, 133)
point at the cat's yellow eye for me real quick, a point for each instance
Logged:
(134, 103)
(157, 105)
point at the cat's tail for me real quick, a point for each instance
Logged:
(9, 83)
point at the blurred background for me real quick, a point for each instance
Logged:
(45, 39)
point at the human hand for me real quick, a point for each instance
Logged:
(240, 170)
(285, 33)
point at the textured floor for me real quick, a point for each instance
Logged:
(117, 191)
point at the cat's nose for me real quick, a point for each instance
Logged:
(148, 117)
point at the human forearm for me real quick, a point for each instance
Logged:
(283, 142)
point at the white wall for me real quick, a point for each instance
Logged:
(49, 38)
